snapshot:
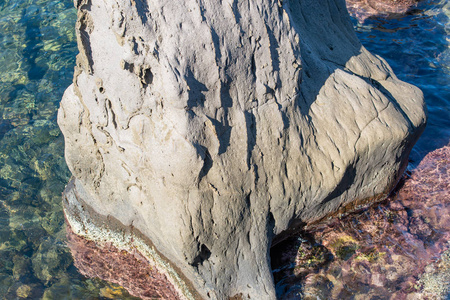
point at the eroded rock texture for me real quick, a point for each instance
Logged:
(200, 131)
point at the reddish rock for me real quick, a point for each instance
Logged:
(381, 251)
(130, 270)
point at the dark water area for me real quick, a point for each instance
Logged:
(37, 56)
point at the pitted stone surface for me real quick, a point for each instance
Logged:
(213, 127)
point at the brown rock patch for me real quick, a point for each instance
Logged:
(130, 270)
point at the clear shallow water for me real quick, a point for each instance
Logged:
(37, 55)
(398, 249)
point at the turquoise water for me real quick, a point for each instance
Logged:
(37, 55)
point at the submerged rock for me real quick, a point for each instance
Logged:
(390, 250)
(363, 9)
(202, 133)
(50, 261)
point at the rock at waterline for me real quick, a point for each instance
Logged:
(388, 251)
(363, 9)
(202, 133)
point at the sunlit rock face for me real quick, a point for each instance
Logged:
(363, 9)
(200, 133)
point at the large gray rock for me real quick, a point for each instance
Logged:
(199, 131)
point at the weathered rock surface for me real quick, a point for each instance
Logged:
(199, 132)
